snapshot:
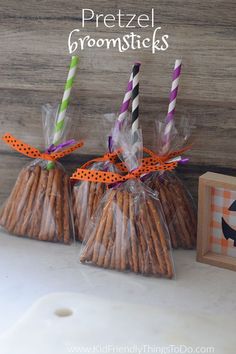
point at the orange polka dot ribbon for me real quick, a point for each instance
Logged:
(149, 164)
(111, 177)
(153, 159)
(34, 153)
(111, 157)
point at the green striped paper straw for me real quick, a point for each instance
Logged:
(60, 123)
(59, 127)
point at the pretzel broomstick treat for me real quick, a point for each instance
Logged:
(40, 206)
(87, 194)
(127, 231)
(177, 203)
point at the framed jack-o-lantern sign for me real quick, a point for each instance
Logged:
(216, 243)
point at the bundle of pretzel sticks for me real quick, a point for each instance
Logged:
(129, 233)
(39, 205)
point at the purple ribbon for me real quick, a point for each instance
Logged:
(184, 160)
(110, 143)
(52, 148)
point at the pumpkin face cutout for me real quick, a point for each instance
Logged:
(223, 222)
(228, 231)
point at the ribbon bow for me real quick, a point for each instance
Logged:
(149, 164)
(51, 153)
(154, 159)
(111, 177)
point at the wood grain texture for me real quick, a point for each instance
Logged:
(33, 38)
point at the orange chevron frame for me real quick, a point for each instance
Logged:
(216, 240)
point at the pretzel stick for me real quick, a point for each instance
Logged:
(32, 211)
(139, 246)
(113, 251)
(95, 199)
(66, 210)
(133, 236)
(13, 222)
(163, 241)
(142, 245)
(22, 202)
(89, 239)
(51, 213)
(130, 263)
(184, 215)
(54, 208)
(98, 196)
(74, 204)
(124, 241)
(84, 204)
(92, 203)
(112, 264)
(59, 207)
(157, 263)
(119, 219)
(78, 209)
(171, 217)
(146, 243)
(161, 184)
(106, 236)
(186, 241)
(190, 229)
(91, 197)
(107, 258)
(101, 228)
(165, 201)
(98, 237)
(160, 267)
(165, 246)
(39, 202)
(175, 221)
(189, 208)
(43, 230)
(27, 216)
(77, 193)
(6, 210)
(87, 251)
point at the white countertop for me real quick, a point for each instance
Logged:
(31, 269)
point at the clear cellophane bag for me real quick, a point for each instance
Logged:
(39, 205)
(177, 202)
(128, 231)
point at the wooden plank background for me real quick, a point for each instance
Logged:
(33, 68)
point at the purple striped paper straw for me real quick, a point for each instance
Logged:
(135, 98)
(125, 104)
(123, 113)
(172, 103)
(174, 89)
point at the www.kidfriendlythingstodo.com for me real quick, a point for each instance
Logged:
(79, 40)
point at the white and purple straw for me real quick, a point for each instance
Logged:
(135, 98)
(125, 104)
(123, 113)
(172, 104)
